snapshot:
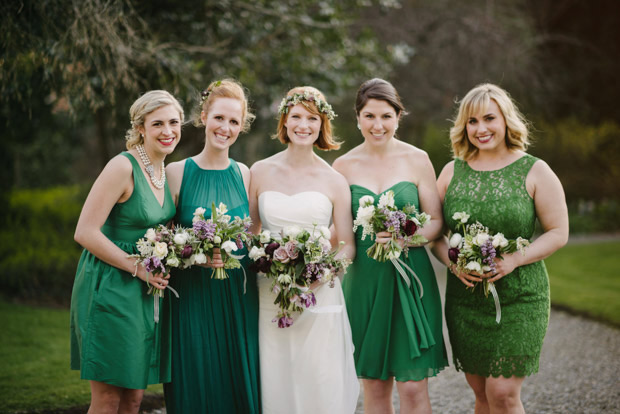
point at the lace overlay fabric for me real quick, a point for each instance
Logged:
(499, 200)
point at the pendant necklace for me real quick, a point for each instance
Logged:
(148, 166)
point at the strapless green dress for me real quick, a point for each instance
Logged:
(499, 200)
(395, 333)
(114, 337)
(215, 361)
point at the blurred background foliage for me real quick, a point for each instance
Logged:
(70, 69)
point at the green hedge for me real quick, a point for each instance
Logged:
(39, 254)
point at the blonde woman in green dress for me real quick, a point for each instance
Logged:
(397, 333)
(497, 183)
(116, 342)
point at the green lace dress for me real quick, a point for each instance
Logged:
(215, 361)
(114, 337)
(499, 200)
(395, 333)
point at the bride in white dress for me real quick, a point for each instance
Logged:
(307, 367)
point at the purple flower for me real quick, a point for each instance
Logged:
(153, 264)
(280, 255)
(284, 321)
(271, 247)
(239, 242)
(204, 229)
(308, 299)
(262, 265)
(453, 254)
(410, 228)
(186, 252)
(291, 249)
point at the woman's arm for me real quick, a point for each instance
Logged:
(114, 184)
(174, 175)
(253, 198)
(342, 218)
(550, 203)
(430, 201)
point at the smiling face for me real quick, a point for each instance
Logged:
(223, 122)
(378, 121)
(302, 126)
(486, 130)
(162, 129)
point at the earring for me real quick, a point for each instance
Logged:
(142, 136)
(359, 126)
(396, 128)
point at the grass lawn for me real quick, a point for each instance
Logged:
(35, 373)
(586, 278)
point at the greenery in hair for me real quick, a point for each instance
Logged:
(307, 96)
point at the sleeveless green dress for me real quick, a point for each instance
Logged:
(215, 361)
(499, 200)
(395, 333)
(114, 337)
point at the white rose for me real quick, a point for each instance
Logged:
(461, 216)
(195, 219)
(256, 252)
(265, 236)
(181, 238)
(455, 240)
(200, 211)
(386, 199)
(229, 246)
(364, 214)
(291, 231)
(481, 238)
(285, 279)
(150, 235)
(160, 250)
(366, 201)
(217, 239)
(173, 262)
(199, 258)
(475, 266)
(499, 240)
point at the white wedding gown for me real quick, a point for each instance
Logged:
(307, 367)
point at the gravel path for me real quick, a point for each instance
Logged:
(579, 371)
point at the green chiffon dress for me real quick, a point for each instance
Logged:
(215, 361)
(114, 337)
(395, 332)
(499, 200)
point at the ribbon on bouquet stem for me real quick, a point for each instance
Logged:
(399, 264)
(156, 297)
(498, 308)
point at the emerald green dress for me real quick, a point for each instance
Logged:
(215, 361)
(499, 200)
(114, 337)
(395, 332)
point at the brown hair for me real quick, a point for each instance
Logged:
(381, 90)
(326, 140)
(225, 88)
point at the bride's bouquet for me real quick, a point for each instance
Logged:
(403, 224)
(473, 248)
(222, 232)
(294, 260)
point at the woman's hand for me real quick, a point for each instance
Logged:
(504, 266)
(157, 280)
(216, 261)
(466, 278)
(384, 237)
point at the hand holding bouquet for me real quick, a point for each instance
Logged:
(474, 249)
(295, 260)
(220, 232)
(403, 224)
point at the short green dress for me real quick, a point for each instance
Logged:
(114, 337)
(395, 332)
(215, 361)
(499, 200)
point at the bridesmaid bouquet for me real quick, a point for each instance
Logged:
(473, 248)
(294, 260)
(403, 224)
(221, 232)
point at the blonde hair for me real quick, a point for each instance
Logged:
(326, 140)
(225, 88)
(144, 105)
(476, 101)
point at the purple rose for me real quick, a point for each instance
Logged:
(271, 247)
(280, 255)
(410, 228)
(186, 252)
(453, 254)
(291, 249)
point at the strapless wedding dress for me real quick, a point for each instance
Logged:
(307, 367)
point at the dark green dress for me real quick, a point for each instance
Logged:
(499, 200)
(395, 333)
(114, 338)
(214, 323)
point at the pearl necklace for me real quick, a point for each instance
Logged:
(148, 166)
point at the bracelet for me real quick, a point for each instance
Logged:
(135, 273)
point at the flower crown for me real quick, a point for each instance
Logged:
(204, 95)
(296, 98)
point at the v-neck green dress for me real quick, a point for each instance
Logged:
(395, 332)
(114, 337)
(215, 361)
